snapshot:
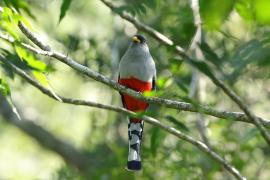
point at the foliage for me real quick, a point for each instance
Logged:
(64, 7)
(4, 88)
(235, 47)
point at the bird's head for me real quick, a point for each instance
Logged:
(138, 43)
(138, 40)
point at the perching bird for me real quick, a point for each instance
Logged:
(137, 71)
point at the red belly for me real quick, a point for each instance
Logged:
(141, 86)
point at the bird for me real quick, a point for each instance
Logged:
(137, 71)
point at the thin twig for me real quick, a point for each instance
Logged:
(200, 145)
(169, 43)
(237, 116)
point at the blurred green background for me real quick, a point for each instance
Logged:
(237, 42)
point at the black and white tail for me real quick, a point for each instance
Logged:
(135, 132)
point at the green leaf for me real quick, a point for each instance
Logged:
(19, 5)
(4, 88)
(41, 78)
(150, 93)
(245, 9)
(64, 7)
(20, 52)
(210, 54)
(5, 91)
(175, 65)
(262, 8)
(182, 29)
(179, 124)
(214, 14)
(30, 58)
(9, 21)
(164, 82)
(13, 58)
(44, 81)
(258, 11)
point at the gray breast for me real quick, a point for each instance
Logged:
(137, 62)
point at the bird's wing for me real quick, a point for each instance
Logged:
(122, 96)
(154, 83)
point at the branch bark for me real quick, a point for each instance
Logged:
(180, 51)
(198, 144)
(237, 116)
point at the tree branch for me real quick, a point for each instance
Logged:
(238, 116)
(169, 43)
(147, 119)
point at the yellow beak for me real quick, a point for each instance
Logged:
(136, 39)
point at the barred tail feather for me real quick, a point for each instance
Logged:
(135, 132)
